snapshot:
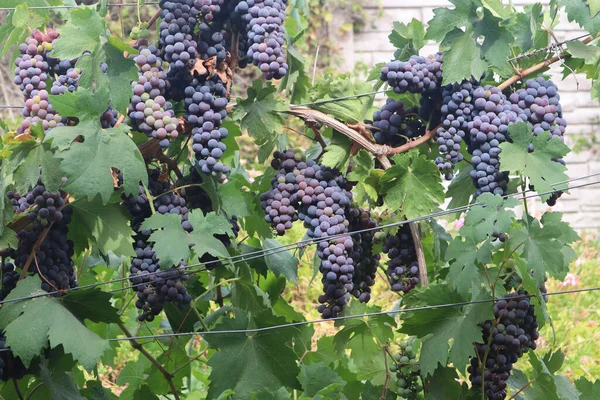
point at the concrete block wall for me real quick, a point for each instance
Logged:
(370, 46)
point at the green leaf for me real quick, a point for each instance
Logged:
(260, 113)
(52, 322)
(367, 178)
(445, 19)
(541, 247)
(589, 390)
(235, 198)
(81, 33)
(281, 394)
(60, 384)
(144, 393)
(25, 161)
(496, 46)
(107, 226)
(460, 47)
(466, 258)
(408, 39)
(84, 104)
(350, 110)
(92, 304)
(543, 173)
(318, 376)
(22, 18)
(250, 362)
(578, 11)
(413, 184)
(527, 26)
(133, 375)
(87, 165)
(172, 243)
(490, 215)
(95, 391)
(437, 326)
(334, 156)
(589, 53)
(594, 7)
(280, 261)
(460, 189)
(363, 337)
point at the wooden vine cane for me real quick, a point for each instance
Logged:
(381, 152)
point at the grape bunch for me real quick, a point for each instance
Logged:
(11, 367)
(263, 20)
(491, 117)
(366, 261)
(206, 107)
(31, 72)
(32, 66)
(403, 266)
(53, 259)
(213, 40)
(406, 369)
(155, 286)
(512, 333)
(456, 109)
(395, 124)
(67, 82)
(319, 197)
(10, 277)
(176, 42)
(419, 75)
(149, 111)
(539, 104)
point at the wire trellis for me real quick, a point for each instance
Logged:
(302, 243)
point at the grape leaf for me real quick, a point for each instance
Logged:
(437, 326)
(246, 295)
(172, 360)
(81, 33)
(352, 110)
(144, 393)
(172, 243)
(250, 362)
(52, 322)
(578, 11)
(408, 39)
(460, 46)
(281, 394)
(465, 258)
(134, 376)
(25, 161)
(318, 376)
(594, 7)
(445, 19)
(542, 247)
(413, 184)
(538, 165)
(527, 27)
(235, 199)
(23, 17)
(107, 226)
(87, 164)
(95, 391)
(117, 78)
(60, 384)
(589, 390)
(280, 261)
(335, 156)
(92, 304)
(260, 113)
(364, 338)
(460, 190)
(496, 46)
(366, 177)
(490, 215)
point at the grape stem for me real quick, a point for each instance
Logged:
(387, 373)
(17, 389)
(562, 56)
(136, 345)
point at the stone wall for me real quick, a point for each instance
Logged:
(370, 45)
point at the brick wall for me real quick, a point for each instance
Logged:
(371, 45)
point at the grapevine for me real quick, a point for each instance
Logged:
(179, 228)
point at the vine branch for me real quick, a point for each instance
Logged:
(136, 345)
